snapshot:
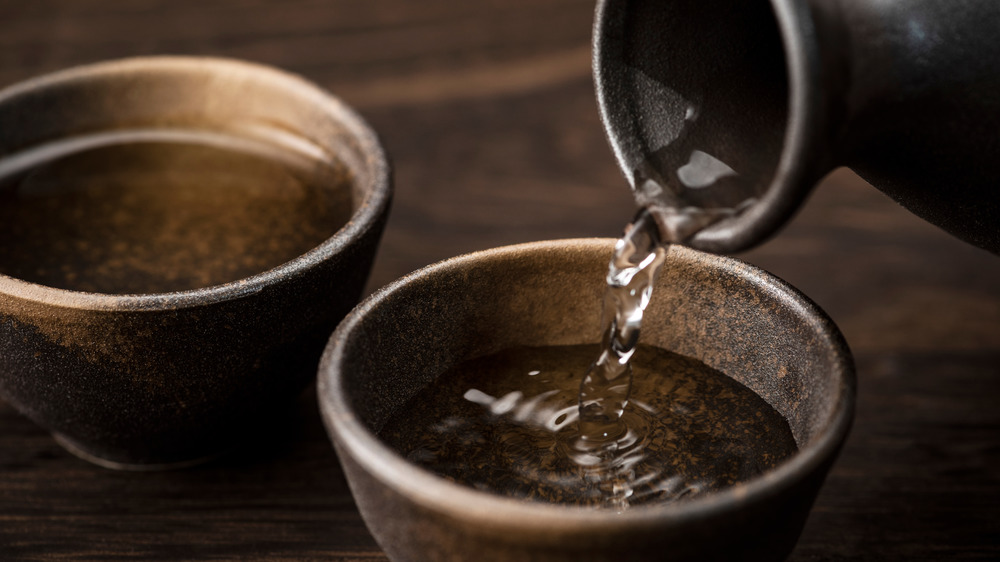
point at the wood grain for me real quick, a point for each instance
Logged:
(488, 112)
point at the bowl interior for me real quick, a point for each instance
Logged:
(168, 174)
(731, 316)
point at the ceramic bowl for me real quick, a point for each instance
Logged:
(732, 316)
(163, 378)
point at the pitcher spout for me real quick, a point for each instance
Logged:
(742, 107)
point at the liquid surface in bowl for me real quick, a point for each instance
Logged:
(151, 212)
(508, 424)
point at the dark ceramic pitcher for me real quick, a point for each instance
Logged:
(776, 93)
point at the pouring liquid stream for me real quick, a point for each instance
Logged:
(604, 438)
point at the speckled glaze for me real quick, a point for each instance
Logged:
(159, 380)
(730, 315)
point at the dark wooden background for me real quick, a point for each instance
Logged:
(487, 109)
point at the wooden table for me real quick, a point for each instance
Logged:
(488, 111)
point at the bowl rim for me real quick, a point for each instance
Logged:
(377, 190)
(436, 493)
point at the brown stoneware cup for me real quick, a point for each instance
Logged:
(154, 379)
(732, 316)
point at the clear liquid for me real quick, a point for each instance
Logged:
(635, 264)
(508, 424)
(607, 384)
(607, 438)
(163, 211)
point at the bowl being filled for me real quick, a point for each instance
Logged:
(389, 364)
(178, 237)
